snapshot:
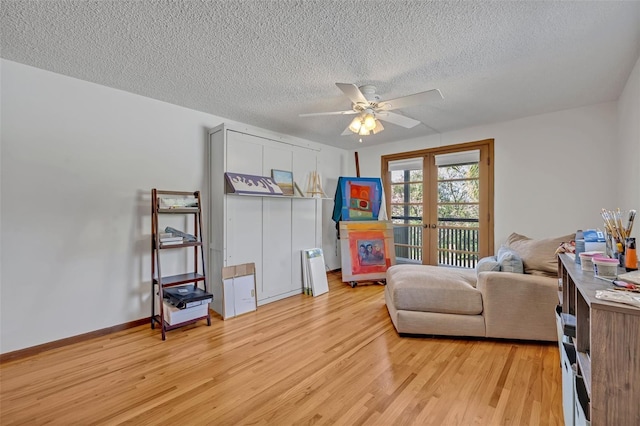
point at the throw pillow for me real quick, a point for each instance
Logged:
(488, 264)
(510, 261)
(538, 256)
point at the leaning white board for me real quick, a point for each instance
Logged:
(316, 274)
(238, 290)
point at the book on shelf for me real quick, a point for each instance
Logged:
(165, 235)
(169, 239)
(187, 237)
(171, 243)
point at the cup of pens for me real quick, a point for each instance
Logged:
(618, 233)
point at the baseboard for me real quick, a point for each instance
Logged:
(35, 350)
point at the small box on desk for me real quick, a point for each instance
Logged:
(594, 240)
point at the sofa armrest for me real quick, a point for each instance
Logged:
(519, 306)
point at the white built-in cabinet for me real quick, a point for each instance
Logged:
(269, 231)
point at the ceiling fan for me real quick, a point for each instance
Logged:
(371, 110)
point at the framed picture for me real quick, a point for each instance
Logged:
(366, 249)
(284, 180)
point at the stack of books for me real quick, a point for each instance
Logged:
(185, 303)
(167, 239)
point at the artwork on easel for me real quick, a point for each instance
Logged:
(367, 250)
(357, 199)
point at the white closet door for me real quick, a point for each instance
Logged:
(244, 154)
(304, 213)
(244, 228)
(243, 220)
(276, 243)
(276, 248)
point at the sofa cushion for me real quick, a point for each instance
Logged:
(434, 289)
(489, 263)
(510, 261)
(538, 256)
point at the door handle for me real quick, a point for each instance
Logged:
(433, 225)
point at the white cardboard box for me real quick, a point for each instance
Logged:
(173, 315)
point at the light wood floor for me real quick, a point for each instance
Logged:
(333, 359)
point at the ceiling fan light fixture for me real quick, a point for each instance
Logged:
(366, 104)
(369, 121)
(356, 125)
(364, 131)
(379, 127)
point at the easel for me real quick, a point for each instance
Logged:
(314, 186)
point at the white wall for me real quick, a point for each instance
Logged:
(78, 161)
(553, 172)
(628, 160)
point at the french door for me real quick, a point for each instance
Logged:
(441, 204)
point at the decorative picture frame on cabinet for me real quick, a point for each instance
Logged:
(284, 179)
(238, 183)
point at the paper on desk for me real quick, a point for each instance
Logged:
(632, 277)
(619, 296)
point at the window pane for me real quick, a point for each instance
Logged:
(406, 193)
(397, 211)
(415, 175)
(400, 176)
(463, 191)
(459, 172)
(406, 211)
(415, 192)
(472, 225)
(460, 211)
(397, 176)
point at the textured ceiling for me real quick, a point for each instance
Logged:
(264, 62)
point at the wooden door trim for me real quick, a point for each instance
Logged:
(486, 147)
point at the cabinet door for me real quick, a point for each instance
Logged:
(244, 154)
(244, 233)
(276, 216)
(305, 229)
(276, 248)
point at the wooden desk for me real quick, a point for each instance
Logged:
(607, 344)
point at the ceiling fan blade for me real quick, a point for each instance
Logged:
(353, 93)
(346, 132)
(398, 119)
(311, 114)
(411, 100)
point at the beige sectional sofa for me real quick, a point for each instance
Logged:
(436, 300)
